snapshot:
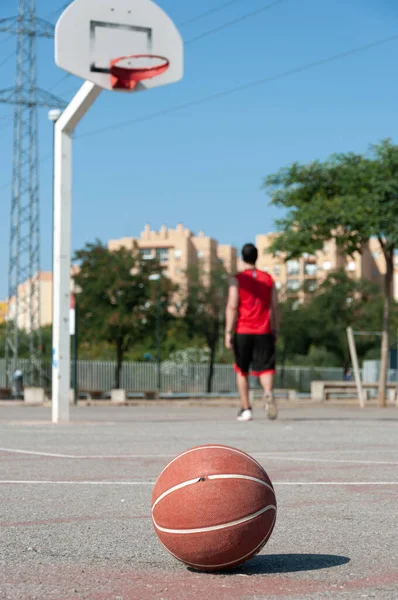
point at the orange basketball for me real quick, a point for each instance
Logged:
(213, 507)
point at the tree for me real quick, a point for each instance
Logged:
(350, 197)
(341, 302)
(113, 296)
(205, 307)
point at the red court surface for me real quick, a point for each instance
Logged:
(75, 503)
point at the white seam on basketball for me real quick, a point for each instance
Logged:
(213, 448)
(221, 476)
(174, 489)
(248, 477)
(215, 527)
(236, 561)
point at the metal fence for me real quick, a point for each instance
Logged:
(178, 377)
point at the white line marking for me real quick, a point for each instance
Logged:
(332, 460)
(215, 527)
(38, 482)
(214, 447)
(133, 483)
(84, 456)
(269, 456)
(18, 451)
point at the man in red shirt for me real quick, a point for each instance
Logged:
(252, 324)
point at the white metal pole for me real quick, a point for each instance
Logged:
(64, 128)
(355, 365)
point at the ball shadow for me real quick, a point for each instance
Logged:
(286, 563)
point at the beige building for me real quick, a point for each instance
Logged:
(45, 282)
(299, 276)
(3, 311)
(178, 250)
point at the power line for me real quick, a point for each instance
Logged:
(8, 37)
(7, 58)
(245, 86)
(234, 21)
(47, 157)
(61, 80)
(7, 123)
(57, 11)
(208, 12)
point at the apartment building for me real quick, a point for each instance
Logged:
(299, 276)
(178, 250)
(3, 311)
(45, 282)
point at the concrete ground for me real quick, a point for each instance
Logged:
(75, 503)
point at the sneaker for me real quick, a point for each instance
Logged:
(271, 408)
(245, 414)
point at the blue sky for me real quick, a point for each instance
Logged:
(203, 165)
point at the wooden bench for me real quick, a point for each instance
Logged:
(324, 390)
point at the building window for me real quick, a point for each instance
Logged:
(177, 254)
(265, 269)
(277, 270)
(310, 285)
(376, 254)
(325, 248)
(162, 254)
(146, 253)
(293, 267)
(200, 254)
(327, 265)
(351, 266)
(293, 285)
(278, 285)
(310, 269)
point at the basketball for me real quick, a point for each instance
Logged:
(213, 507)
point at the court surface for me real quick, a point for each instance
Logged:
(75, 503)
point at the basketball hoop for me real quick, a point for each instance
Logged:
(127, 71)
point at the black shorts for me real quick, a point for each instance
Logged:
(255, 353)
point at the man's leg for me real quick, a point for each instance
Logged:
(243, 389)
(264, 368)
(243, 354)
(267, 382)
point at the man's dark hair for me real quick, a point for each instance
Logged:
(249, 254)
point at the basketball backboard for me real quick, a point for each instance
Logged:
(92, 34)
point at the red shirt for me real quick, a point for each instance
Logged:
(255, 296)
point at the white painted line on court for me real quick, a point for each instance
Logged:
(331, 460)
(33, 453)
(83, 456)
(136, 483)
(269, 456)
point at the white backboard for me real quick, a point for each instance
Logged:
(92, 33)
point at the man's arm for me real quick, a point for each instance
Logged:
(231, 312)
(275, 312)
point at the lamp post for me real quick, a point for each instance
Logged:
(156, 277)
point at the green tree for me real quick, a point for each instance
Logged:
(350, 197)
(341, 302)
(205, 307)
(114, 296)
